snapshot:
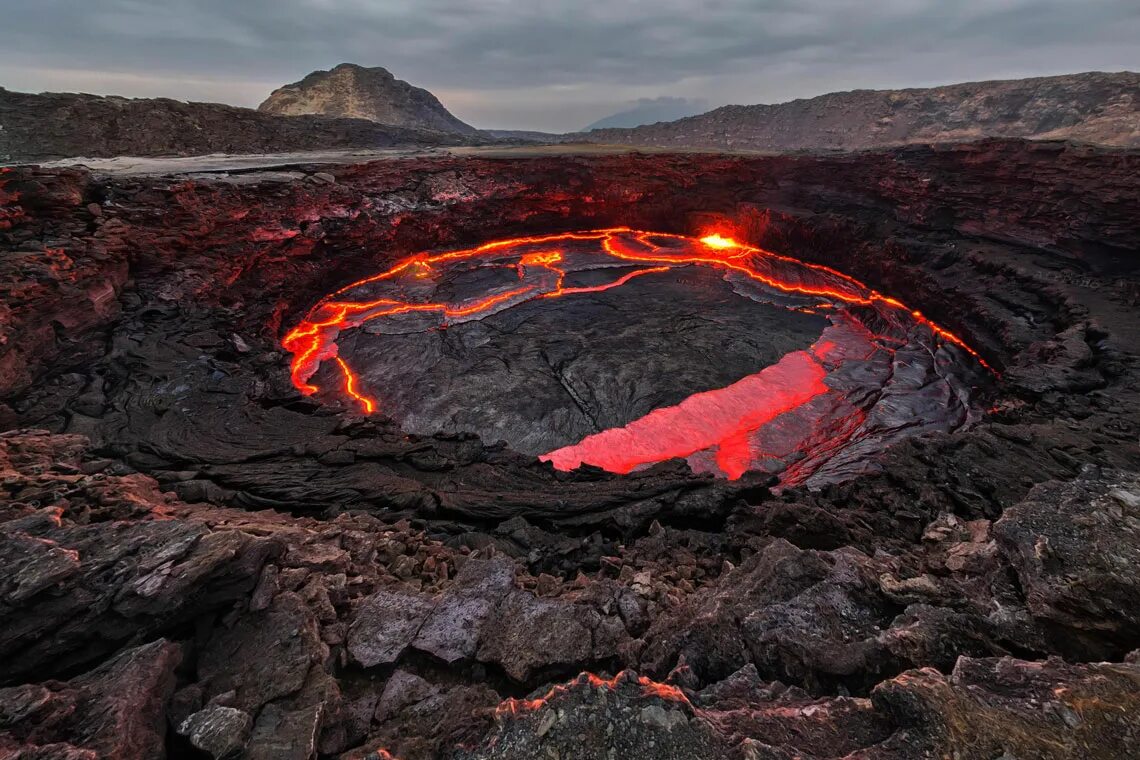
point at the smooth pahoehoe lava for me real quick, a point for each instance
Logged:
(879, 370)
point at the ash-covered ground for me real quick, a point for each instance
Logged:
(205, 562)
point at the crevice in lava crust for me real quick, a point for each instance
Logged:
(571, 392)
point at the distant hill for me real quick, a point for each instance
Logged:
(364, 93)
(524, 135)
(64, 125)
(651, 111)
(1094, 107)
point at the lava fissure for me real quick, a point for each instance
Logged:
(649, 688)
(350, 383)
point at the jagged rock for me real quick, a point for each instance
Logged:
(402, 690)
(457, 714)
(223, 732)
(385, 626)
(531, 633)
(265, 656)
(766, 595)
(455, 626)
(601, 722)
(1003, 707)
(1075, 547)
(481, 616)
(281, 734)
(938, 636)
(36, 565)
(776, 720)
(828, 629)
(114, 712)
(88, 588)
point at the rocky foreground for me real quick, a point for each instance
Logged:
(202, 563)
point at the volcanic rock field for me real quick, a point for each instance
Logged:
(595, 456)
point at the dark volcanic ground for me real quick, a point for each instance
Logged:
(200, 560)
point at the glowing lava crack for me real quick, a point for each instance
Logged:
(878, 372)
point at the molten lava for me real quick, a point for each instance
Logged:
(721, 418)
(716, 241)
(649, 688)
(729, 429)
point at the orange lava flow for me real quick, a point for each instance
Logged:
(350, 382)
(541, 263)
(723, 418)
(649, 688)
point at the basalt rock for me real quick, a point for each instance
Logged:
(82, 584)
(597, 722)
(116, 710)
(1073, 545)
(223, 732)
(990, 707)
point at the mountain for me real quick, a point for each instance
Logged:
(651, 111)
(63, 125)
(364, 93)
(1093, 107)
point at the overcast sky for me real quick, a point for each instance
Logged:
(556, 64)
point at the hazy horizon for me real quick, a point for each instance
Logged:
(554, 65)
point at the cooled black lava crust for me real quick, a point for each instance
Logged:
(548, 372)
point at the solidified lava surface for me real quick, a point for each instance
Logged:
(620, 348)
(202, 560)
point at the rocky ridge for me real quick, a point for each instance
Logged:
(1094, 107)
(51, 126)
(356, 92)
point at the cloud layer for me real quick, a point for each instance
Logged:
(557, 64)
